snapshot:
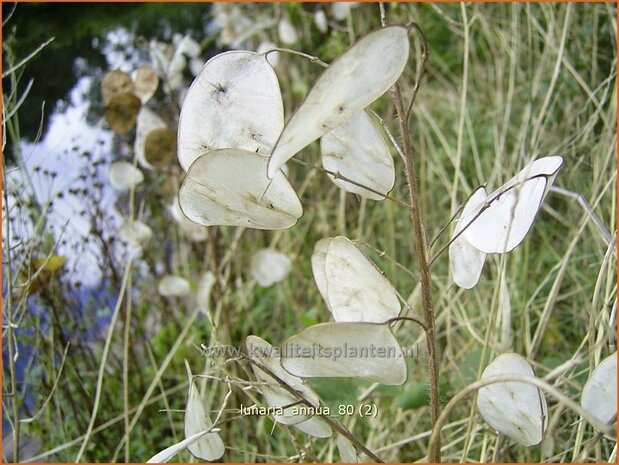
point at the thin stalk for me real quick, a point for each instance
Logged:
(10, 329)
(126, 342)
(25, 60)
(407, 318)
(155, 382)
(12, 373)
(104, 426)
(338, 175)
(487, 204)
(106, 351)
(424, 270)
(127, 329)
(463, 99)
(539, 383)
(311, 58)
(336, 425)
(421, 248)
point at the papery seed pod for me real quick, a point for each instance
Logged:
(516, 409)
(353, 81)
(269, 266)
(599, 395)
(173, 286)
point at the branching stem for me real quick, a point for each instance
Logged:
(424, 270)
(420, 243)
(408, 318)
(487, 204)
(311, 58)
(336, 425)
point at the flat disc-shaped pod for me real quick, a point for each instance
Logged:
(269, 266)
(357, 151)
(346, 350)
(320, 20)
(287, 33)
(357, 291)
(353, 81)
(114, 83)
(465, 261)
(160, 147)
(276, 396)
(147, 122)
(121, 112)
(341, 10)
(191, 230)
(347, 451)
(123, 175)
(516, 409)
(135, 233)
(203, 292)
(235, 102)
(166, 455)
(210, 447)
(230, 187)
(319, 256)
(599, 395)
(315, 426)
(173, 286)
(503, 225)
(146, 82)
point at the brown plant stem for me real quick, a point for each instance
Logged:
(336, 425)
(422, 257)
